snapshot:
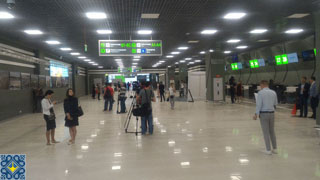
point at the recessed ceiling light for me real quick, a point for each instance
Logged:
(104, 31)
(118, 59)
(191, 62)
(182, 48)
(211, 50)
(82, 57)
(33, 32)
(75, 54)
(144, 32)
(95, 64)
(258, 31)
(91, 62)
(209, 31)
(177, 63)
(175, 52)
(66, 49)
(149, 16)
(294, 31)
(202, 52)
(227, 52)
(136, 59)
(100, 67)
(193, 41)
(242, 47)
(161, 61)
(188, 59)
(234, 15)
(263, 40)
(197, 61)
(52, 42)
(96, 15)
(169, 66)
(87, 60)
(299, 15)
(182, 61)
(5, 15)
(169, 56)
(233, 41)
(134, 63)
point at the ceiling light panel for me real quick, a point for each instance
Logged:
(227, 52)
(149, 16)
(144, 32)
(294, 31)
(5, 15)
(298, 15)
(104, 31)
(193, 42)
(209, 31)
(237, 15)
(258, 31)
(33, 32)
(52, 42)
(65, 49)
(242, 47)
(183, 48)
(175, 52)
(82, 57)
(233, 41)
(96, 15)
(75, 54)
(169, 56)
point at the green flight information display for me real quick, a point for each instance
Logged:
(129, 70)
(254, 63)
(281, 59)
(234, 66)
(130, 48)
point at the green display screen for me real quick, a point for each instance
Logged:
(254, 63)
(234, 66)
(315, 51)
(282, 59)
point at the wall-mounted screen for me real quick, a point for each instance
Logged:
(58, 69)
(240, 66)
(281, 59)
(254, 63)
(261, 62)
(308, 55)
(235, 58)
(234, 66)
(293, 58)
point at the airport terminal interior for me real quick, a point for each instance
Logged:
(159, 89)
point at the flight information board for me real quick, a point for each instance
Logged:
(130, 48)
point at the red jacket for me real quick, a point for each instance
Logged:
(111, 90)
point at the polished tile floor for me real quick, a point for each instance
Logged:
(200, 140)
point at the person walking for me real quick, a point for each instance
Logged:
(161, 91)
(172, 92)
(93, 91)
(303, 92)
(265, 106)
(182, 89)
(98, 91)
(239, 92)
(108, 97)
(232, 88)
(71, 109)
(49, 116)
(314, 96)
(146, 97)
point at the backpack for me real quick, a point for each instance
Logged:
(108, 93)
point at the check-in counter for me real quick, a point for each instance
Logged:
(246, 91)
(291, 94)
(252, 90)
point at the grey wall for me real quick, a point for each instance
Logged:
(80, 85)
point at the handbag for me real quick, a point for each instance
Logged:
(80, 111)
(52, 116)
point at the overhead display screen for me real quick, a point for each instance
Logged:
(58, 70)
(234, 66)
(129, 70)
(254, 63)
(261, 62)
(130, 47)
(293, 58)
(239, 65)
(281, 59)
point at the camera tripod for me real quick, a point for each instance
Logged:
(127, 123)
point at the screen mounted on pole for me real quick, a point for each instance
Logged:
(130, 48)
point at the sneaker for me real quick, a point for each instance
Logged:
(275, 151)
(267, 152)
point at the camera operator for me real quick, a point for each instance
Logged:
(145, 98)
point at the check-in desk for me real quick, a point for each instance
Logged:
(246, 91)
(252, 90)
(291, 94)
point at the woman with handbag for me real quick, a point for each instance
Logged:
(71, 109)
(49, 116)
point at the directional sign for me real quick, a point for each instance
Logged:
(130, 48)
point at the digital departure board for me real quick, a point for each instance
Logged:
(130, 48)
(254, 63)
(129, 70)
(281, 59)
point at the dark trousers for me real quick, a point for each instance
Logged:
(314, 104)
(108, 101)
(303, 106)
(232, 96)
(98, 96)
(123, 104)
(162, 96)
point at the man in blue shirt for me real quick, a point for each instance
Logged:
(265, 106)
(314, 96)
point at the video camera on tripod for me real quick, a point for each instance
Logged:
(133, 106)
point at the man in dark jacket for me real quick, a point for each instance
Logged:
(303, 93)
(161, 90)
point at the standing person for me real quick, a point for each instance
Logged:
(303, 91)
(161, 91)
(98, 90)
(232, 88)
(182, 89)
(93, 91)
(265, 107)
(49, 116)
(122, 98)
(146, 96)
(172, 92)
(239, 92)
(108, 97)
(314, 96)
(71, 109)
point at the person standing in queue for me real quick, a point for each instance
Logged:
(303, 91)
(122, 97)
(146, 96)
(314, 96)
(232, 88)
(161, 91)
(108, 97)
(71, 109)
(98, 91)
(265, 106)
(239, 92)
(172, 92)
(49, 116)
(93, 91)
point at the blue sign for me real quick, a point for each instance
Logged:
(293, 58)
(143, 51)
(239, 65)
(261, 62)
(12, 166)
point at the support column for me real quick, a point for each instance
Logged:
(209, 82)
(183, 72)
(317, 45)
